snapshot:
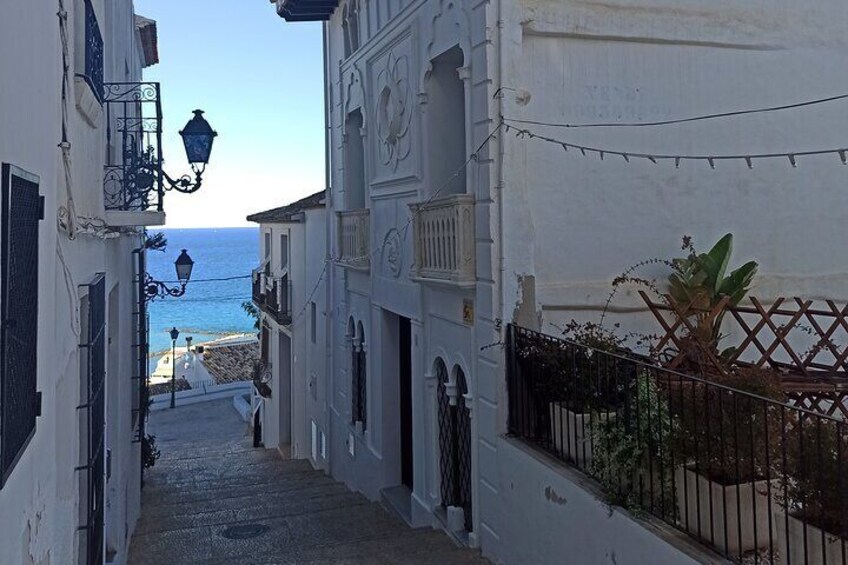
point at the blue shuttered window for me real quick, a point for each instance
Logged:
(20, 402)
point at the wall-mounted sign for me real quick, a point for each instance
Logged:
(468, 311)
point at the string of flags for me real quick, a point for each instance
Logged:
(655, 158)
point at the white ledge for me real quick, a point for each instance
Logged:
(118, 218)
(87, 104)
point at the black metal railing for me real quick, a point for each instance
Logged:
(94, 406)
(273, 296)
(752, 477)
(93, 52)
(133, 179)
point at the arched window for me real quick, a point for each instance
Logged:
(358, 371)
(454, 441)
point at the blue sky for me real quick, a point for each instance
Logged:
(259, 80)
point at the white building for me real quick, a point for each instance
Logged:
(70, 425)
(445, 226)
(289, 291)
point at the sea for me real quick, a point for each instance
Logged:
(209, 309)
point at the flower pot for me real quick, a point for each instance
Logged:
(708, 509)
(791, 542)
(571, 433)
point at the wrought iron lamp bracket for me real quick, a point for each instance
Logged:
(185, 184)
(157, 289)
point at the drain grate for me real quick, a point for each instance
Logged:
(245, 531)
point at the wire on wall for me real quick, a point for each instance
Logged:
(687, 119)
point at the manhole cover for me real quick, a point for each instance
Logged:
(245, 531)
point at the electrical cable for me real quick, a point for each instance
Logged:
(684, 120)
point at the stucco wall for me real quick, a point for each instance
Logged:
(575, 222)
(39, 505)
(552, 518)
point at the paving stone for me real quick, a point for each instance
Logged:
(209, 478)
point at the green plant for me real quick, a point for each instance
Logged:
(698, 284)
(149, 453)
(816, 464)
(155, 242)
(727, 436)
(632, 455)
(251, 310)
(576, 377)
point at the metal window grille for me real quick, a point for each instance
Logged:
(141, 345)
(93, 52)
(446, 435)
(358, 385)
(454, 444)
(462, 494)
(22, 208)
(94, 350)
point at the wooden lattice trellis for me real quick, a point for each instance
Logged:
(805, 340)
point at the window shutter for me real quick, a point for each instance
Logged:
(21, 208)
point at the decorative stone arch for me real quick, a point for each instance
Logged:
(450, 27)
(354, 91)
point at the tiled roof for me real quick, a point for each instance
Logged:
(306, 10)
(288, 213)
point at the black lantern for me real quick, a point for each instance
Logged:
(175, 334)
(184, 265)
(154, 288)
(198, 136)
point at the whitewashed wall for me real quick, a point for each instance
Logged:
(575, 222)
(39, 505)
(294, 407)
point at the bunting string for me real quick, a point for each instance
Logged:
(603, 153)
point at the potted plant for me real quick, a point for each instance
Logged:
(812, 521)
(727, 443)
(584, 388)
(632, 452)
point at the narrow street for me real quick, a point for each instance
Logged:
(210, 483)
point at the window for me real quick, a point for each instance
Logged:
(313, 311)
(446, 122)
(359, 411)
(20, 402)
(284, 251)
(354, 162)
(267, 253)
(90, 68)
(92, 413)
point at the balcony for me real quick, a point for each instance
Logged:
(355, 239)
(133, 181)
(752, 477)
(444, 240)
(272, 295)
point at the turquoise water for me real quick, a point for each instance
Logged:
(208, 310)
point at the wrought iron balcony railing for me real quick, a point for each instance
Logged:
(355, 239)
(133, 179)
(273, 295)
(444, 240)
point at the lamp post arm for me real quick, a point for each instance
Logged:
(157, 289)
(185, 184)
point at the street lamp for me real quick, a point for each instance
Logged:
(154, 288)
(197, 136)
(175, 333)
